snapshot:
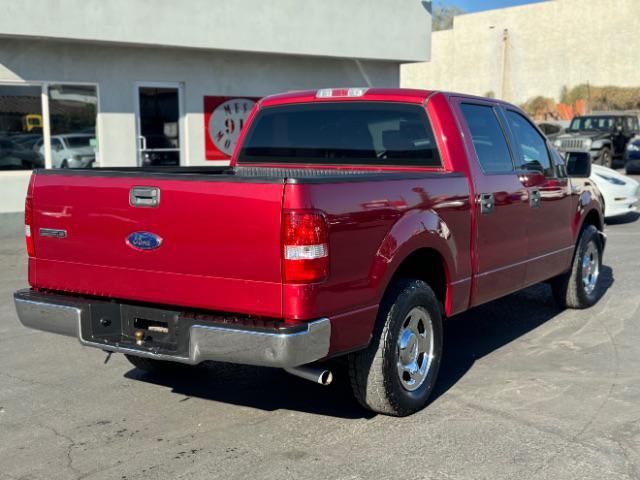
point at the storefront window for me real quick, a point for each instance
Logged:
(20, 127)
(73, 113)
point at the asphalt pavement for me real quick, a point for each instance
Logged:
(526, 392)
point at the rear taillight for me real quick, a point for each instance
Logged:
(28, 226)
(305, 247)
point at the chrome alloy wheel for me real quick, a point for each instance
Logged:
(590, 268)
(415, 348)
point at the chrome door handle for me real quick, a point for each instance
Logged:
(487, 203)
(534, 198)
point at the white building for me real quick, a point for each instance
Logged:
(132, 82)
(536, 49)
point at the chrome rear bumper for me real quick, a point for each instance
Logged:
(64, 315)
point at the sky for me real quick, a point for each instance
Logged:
(479, 5)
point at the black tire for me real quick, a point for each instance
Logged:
(631, 168)
(606, 158)
(374, 374)
(156, 367)
(570, 290)
(64, 164)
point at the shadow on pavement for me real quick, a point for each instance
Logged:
(468, 337)
(478, 332)
(622, 219)
(261, 388)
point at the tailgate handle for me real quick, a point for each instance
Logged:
(144, 197)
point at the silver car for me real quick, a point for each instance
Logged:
(72, 150)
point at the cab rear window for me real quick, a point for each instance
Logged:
(342, 133)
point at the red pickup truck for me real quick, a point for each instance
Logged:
(350, 222)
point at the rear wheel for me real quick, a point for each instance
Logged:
(580, 286)
(397, 372)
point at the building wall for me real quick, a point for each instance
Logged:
(550, 45)
(116, 69)
(376, 29)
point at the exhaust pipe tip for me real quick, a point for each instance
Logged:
(326, 378)
(315, 375)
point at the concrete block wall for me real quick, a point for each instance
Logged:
(550, 45)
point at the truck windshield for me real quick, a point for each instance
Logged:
(342, 133)
(592, 123)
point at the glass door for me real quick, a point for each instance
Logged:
(159, 135)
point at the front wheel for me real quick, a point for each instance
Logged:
(580, 287)
(396, 373)
(606, 158)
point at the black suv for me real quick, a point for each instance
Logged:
(604, 136)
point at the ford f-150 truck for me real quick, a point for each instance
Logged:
(350, 222)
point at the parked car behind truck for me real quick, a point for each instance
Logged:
(351, 223)
(632, 156)
(619, 192)
(604, 136)
(71, 150)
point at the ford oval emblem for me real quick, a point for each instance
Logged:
(144, 240)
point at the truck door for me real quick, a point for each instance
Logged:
(501, 203)
(550, 245)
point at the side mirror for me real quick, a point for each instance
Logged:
(578, 164)
(533, 166)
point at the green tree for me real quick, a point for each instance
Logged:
(442, 15)
(602, 98)
(539, 107)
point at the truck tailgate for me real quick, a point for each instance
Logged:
(220, 240)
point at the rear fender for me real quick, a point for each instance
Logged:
(414, 231)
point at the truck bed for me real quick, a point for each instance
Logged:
(220, 230)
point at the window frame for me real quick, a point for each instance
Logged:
(46, 120)
(503, 127)
(420, 107)
(522, 171)
(559, 169)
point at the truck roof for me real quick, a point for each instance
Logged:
(348, 94)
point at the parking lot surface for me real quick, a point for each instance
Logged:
(526, 391)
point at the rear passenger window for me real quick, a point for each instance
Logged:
(488, 138)
(533, 155)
